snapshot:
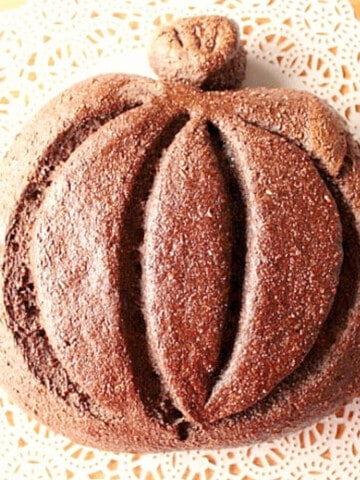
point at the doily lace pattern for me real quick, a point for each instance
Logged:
(47, 45)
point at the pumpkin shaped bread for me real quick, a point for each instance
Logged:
(181, 262)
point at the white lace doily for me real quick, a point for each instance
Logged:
(47, 45)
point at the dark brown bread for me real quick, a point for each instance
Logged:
(181, 267)
(202, 51)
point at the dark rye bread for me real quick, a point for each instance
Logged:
(181, 267)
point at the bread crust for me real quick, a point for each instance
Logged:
(130, 421)
(180, 268)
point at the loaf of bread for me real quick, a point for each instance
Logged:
(181, 262)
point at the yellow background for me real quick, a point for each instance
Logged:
(7, 4)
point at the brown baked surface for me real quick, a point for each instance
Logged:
(181, 267)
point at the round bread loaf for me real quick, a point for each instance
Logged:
(180, 267)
